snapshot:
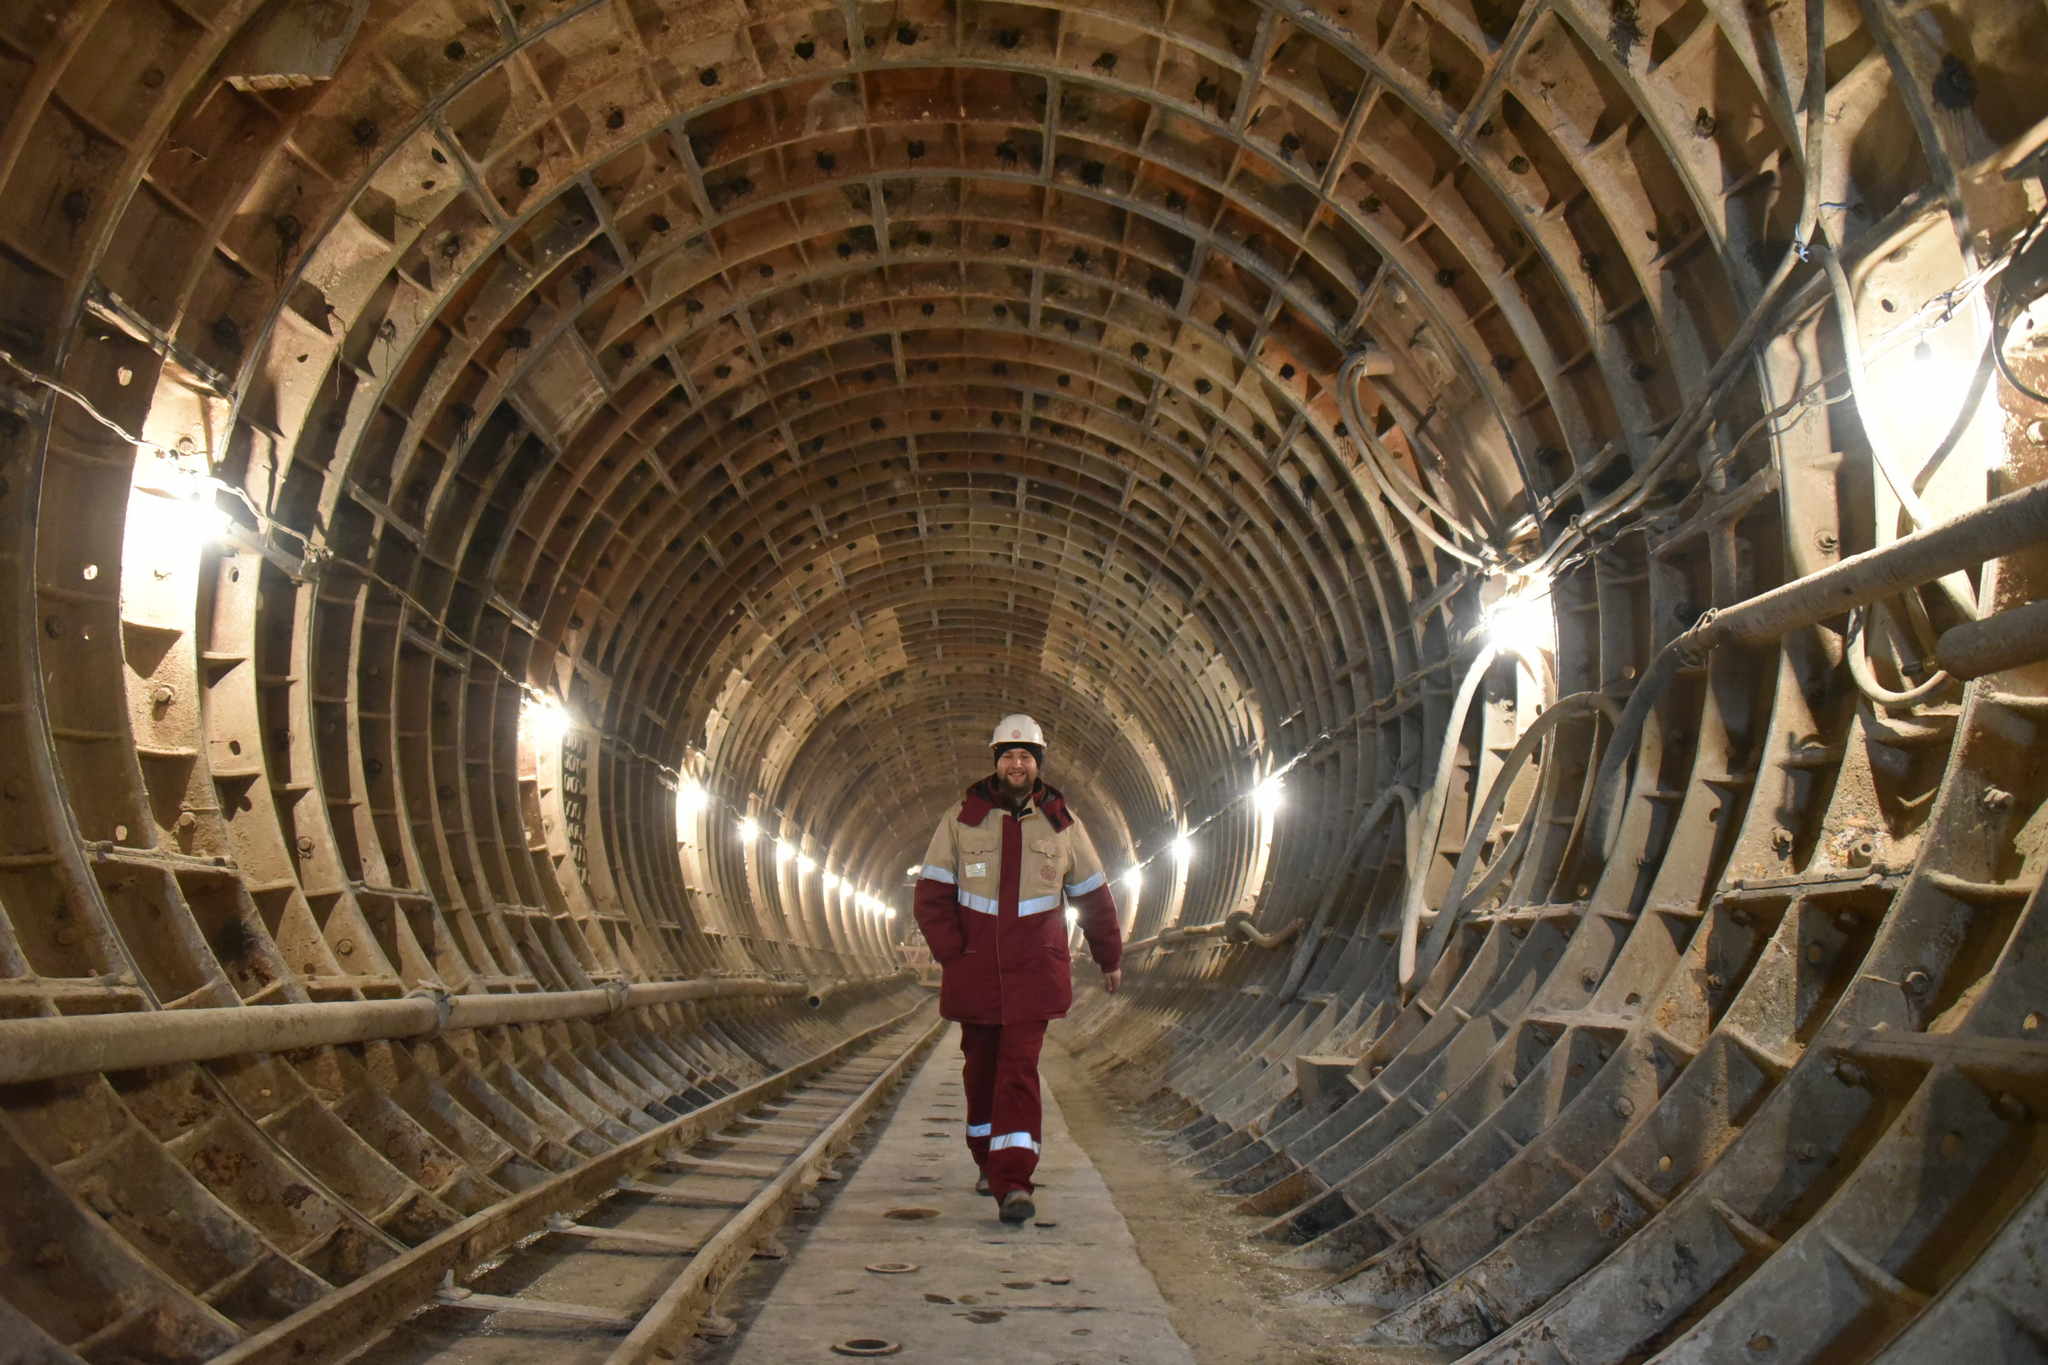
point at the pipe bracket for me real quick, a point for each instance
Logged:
(444, 1005)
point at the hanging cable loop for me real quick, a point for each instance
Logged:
(1542, 732)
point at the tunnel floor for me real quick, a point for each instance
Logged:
(1068, 1286)
(1132, 1258)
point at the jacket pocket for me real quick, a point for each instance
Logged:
(980, 860)
(1043, 863)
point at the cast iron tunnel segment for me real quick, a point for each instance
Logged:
(668, 1201)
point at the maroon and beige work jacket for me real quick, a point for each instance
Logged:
(990, 901)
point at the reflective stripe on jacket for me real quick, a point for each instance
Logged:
(989, 902)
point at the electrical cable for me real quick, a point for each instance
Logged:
(1429, 824)
(1394, 486)
(1956, 586)
(1865, 677)
(316, 553)
(1375, 816)
(2005, 368)
(1461, 896)
(2001, 329)
(1418, 491)
(1636, 488)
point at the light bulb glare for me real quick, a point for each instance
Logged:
(1270, 795)
(691, 798)
(1520, 623)
(545, 720)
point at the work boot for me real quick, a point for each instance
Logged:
(981, 1185)
(1017, 1207)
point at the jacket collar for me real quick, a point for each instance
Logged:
(986, 795)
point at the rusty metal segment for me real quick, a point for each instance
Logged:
(785, 391)
(350, 1315)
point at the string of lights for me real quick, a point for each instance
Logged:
(549, 718)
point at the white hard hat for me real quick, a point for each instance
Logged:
(1020, 729)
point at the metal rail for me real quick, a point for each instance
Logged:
(43, 1049)
(2009, 639)
(821, 993)
(2002, 526)
(340, 1323)
(685, 1303)
(1238, 926)
(2005, 525)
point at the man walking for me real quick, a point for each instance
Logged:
(988, 902)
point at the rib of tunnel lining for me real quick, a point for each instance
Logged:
(776, 394)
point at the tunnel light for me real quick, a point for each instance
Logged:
(805, 864)
(1134, 881)
(1270, 795)
(691, 798)
(914, 870)
(1073, 916)
(748, 830)
(1521, 623)
(1183, 850)
(783, 851)
(171, 525)
(206, 520)
(545, 720)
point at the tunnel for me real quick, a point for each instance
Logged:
(1523, 522)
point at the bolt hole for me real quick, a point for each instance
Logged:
(234, 746)
(120, 832)
(90, 572)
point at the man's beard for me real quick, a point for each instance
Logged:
(1018, 787)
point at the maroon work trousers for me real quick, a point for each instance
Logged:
(999, 1070)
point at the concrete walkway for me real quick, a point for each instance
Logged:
(1071, 1292)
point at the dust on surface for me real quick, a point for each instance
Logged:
(1227, 1299)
